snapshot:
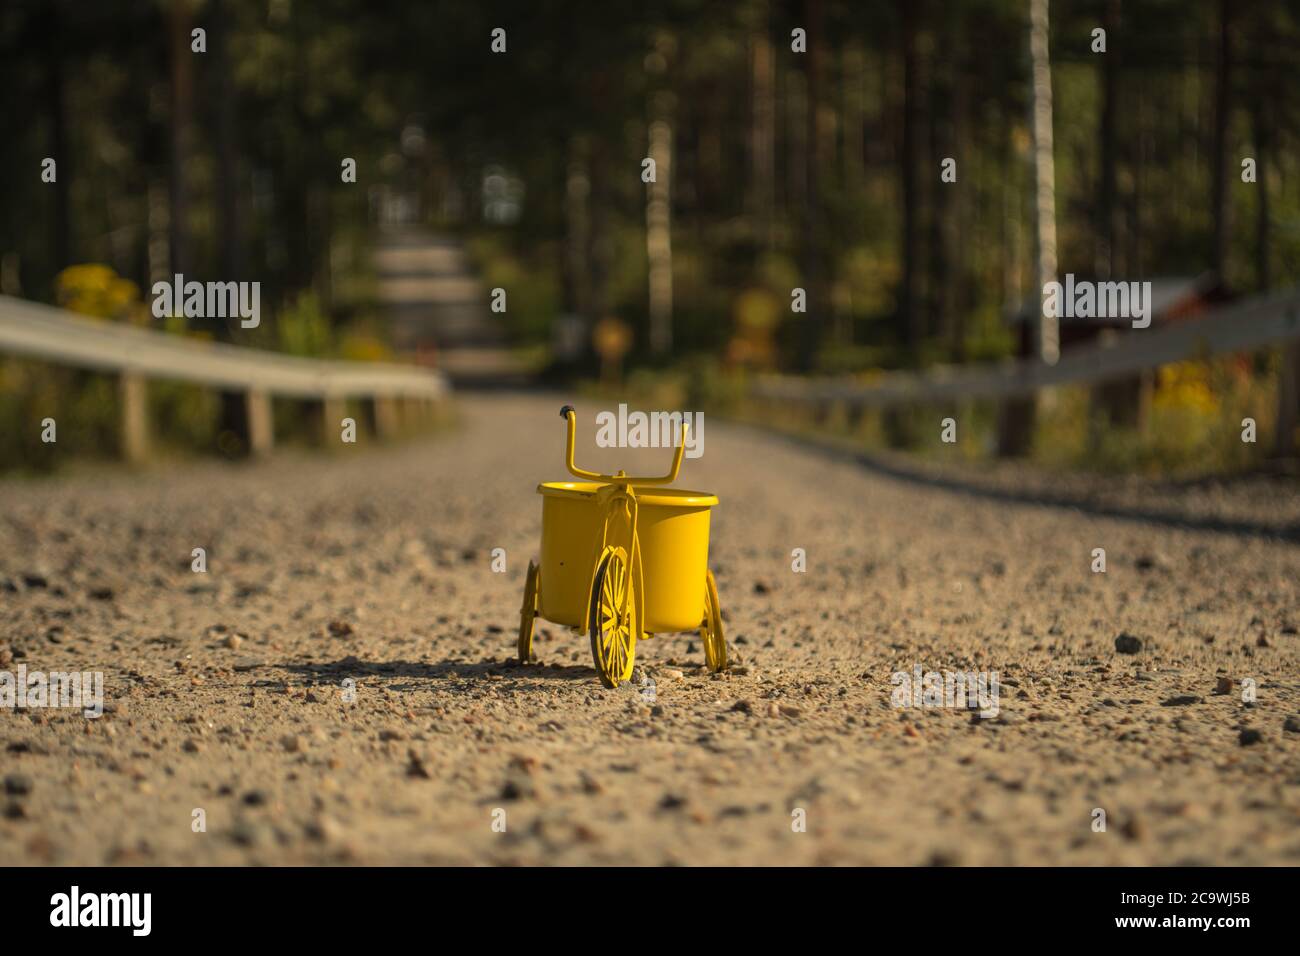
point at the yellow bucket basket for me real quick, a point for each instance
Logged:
(623, 558)
(673, 528)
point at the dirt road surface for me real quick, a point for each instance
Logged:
(226, 692)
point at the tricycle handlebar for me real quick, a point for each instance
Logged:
(570, 415)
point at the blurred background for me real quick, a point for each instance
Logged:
(795, 145)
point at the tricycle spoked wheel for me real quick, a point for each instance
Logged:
(528, 613)
(715, 644)
(613, 619)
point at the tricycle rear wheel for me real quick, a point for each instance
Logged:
(528, 613)
(715, 644)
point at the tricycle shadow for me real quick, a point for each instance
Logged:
(334, 672)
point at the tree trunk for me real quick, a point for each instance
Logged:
(1018, 416)
(812, 266)
(1220, 207)
(762, 138)
(230, 249)
(61, 234)
(182, 108)
(1104, 259)
(943, 275)
(658, 232)
(1048, 339)
(908, 307)
(1263, 214)
(577, 276)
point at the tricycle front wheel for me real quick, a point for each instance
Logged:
(715, 644)
(528, 613)
(613, 619)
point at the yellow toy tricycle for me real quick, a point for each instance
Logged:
(623, 558)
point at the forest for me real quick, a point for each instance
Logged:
(874, 161)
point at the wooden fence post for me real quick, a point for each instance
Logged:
(1288, 399)
(261, 423)
(335, 409)
(387, 422)
(133, 390)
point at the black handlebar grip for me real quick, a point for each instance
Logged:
(564, 412)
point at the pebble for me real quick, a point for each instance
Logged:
(415, 766)
(743, 706)
(671, 673)
(1249, 736)
(233, 641)
(1224, 686)
(18, 784)
(1133, 828)
(1292, 724)
(249, 834)
(1181, 701)
(291, 742)
(323, 830)
(1128, 644)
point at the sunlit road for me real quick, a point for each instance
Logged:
(339, 685)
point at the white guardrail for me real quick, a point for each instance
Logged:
(43, 332)
(1253, 324)
(65, 338)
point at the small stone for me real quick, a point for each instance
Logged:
(1292, 725)
(1128, 644)
(18, 784)
(323, 830)
(671, 673)
(761, 587)
(774, 709)
(672, 801)
(1249, 736)
(101, 593)
(233, 641)
(789, 710)
(1133, 828)
(291, 742)
(340, 628)
(248, 834)
(415, 766)
(1224, 686)
(743, 706)
(1181, 701)
(191, 746)
(255, 798)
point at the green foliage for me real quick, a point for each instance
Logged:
(303, 328)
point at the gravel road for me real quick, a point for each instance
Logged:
(367, 574)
